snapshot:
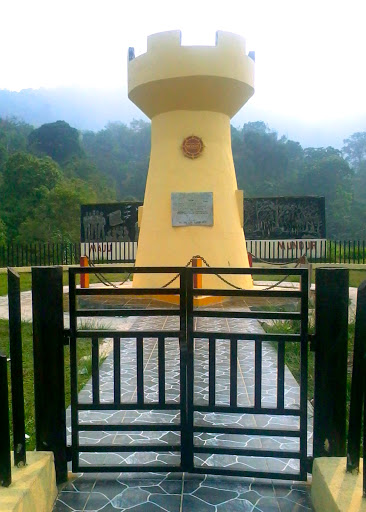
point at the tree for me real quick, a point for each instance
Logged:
(84, 169)
(354, 149)
(262, 161)
(57, 217)
(122, 154)
(13, 138)
(2, 233)
(26, 180)
(3, 155)
(58, 140)
(14, 134)
(326, 173)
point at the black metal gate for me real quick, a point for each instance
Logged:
(177, 393)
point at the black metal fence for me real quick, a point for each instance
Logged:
(316, 251)
(280, 405)
(39, 254)
(319, 251)
(17, 393)
(194, 343)
(329, 343)
(351, 251)
(49, 368)
(358, 390)
(5, 464)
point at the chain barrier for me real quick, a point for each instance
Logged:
(278, 264)
(106, 281)
(298, 262)
(185, 266)
(102, 279)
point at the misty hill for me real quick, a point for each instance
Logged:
(92, 109)
(85, 109)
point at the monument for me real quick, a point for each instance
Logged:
(192, 205)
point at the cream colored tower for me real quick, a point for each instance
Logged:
(185, 91)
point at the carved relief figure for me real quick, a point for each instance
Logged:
(109, 223)
(284, 217)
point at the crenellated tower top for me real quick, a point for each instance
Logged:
(170, 76)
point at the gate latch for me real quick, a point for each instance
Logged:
(309, 464)
(67, 333)
(68, 453)
(183, 347)
(313, 342)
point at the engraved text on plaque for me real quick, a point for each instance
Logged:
(192, 209)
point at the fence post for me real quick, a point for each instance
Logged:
(305, 263)
(331, 327)
(358, 388)
(48, 351)
(187, 353)
(5, 464)
(84, 278)
(197, 278)
(16, 361)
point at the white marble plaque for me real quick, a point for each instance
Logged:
(192, 209)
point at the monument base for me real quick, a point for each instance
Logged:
(204, 300)
(335, 490)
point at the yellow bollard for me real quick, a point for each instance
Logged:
(197, 278)
(84, 278)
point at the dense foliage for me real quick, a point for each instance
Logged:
(46, 173)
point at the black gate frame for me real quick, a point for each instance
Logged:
(187, 335)
(280, 340)
(95, 335)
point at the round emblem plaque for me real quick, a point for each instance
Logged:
(192, 146)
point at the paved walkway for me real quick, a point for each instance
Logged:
(176, 492)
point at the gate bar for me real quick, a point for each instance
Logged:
(304, 284)
(183, 363)
(95, 371)
(48, 353)
(331, 326)
(358, 386)
(5, 463)
(161, 369)
(212, 371)
(281, 375)
(16, 362)
(140, 370)
(117, 369)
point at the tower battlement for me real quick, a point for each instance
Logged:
(173, 38)
(170, 76)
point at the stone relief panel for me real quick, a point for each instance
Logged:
(110, 222)
(273, 218)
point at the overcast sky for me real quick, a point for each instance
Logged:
(310, 55)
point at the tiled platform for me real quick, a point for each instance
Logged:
(177, 492)
(172, 492)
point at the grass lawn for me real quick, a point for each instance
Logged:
(84, 350)
(356, 277)
(26, 280)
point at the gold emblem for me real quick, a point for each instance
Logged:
(192, 146)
